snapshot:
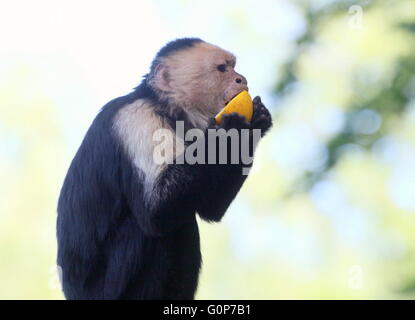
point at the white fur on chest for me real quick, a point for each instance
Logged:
(135, 125)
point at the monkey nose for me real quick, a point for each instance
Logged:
(241, 80)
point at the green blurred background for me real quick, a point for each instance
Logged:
(328, 211)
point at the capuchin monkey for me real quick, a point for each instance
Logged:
(126, 225)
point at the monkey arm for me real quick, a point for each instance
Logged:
(174, 197)
(222, 181)
(225, 180)
(183, 189)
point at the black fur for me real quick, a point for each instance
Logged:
(116, 243)
(174, 46)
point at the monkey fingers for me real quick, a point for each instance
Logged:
(234, 121)
(261, 118)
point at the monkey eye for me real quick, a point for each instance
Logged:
(222, 67)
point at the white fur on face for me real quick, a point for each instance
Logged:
(194, 81)
(135, 125)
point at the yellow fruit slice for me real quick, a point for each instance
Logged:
(242, 104)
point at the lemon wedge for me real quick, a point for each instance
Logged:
(241, 103)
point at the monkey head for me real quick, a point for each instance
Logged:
(196, 75)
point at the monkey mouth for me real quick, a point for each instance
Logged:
(230, 99)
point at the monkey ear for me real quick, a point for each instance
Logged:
(162, 77)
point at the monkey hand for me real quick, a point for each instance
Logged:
(261, 118)
(230, 121)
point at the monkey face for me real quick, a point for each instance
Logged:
(217, 82)
(229, 83)
(202, 77)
